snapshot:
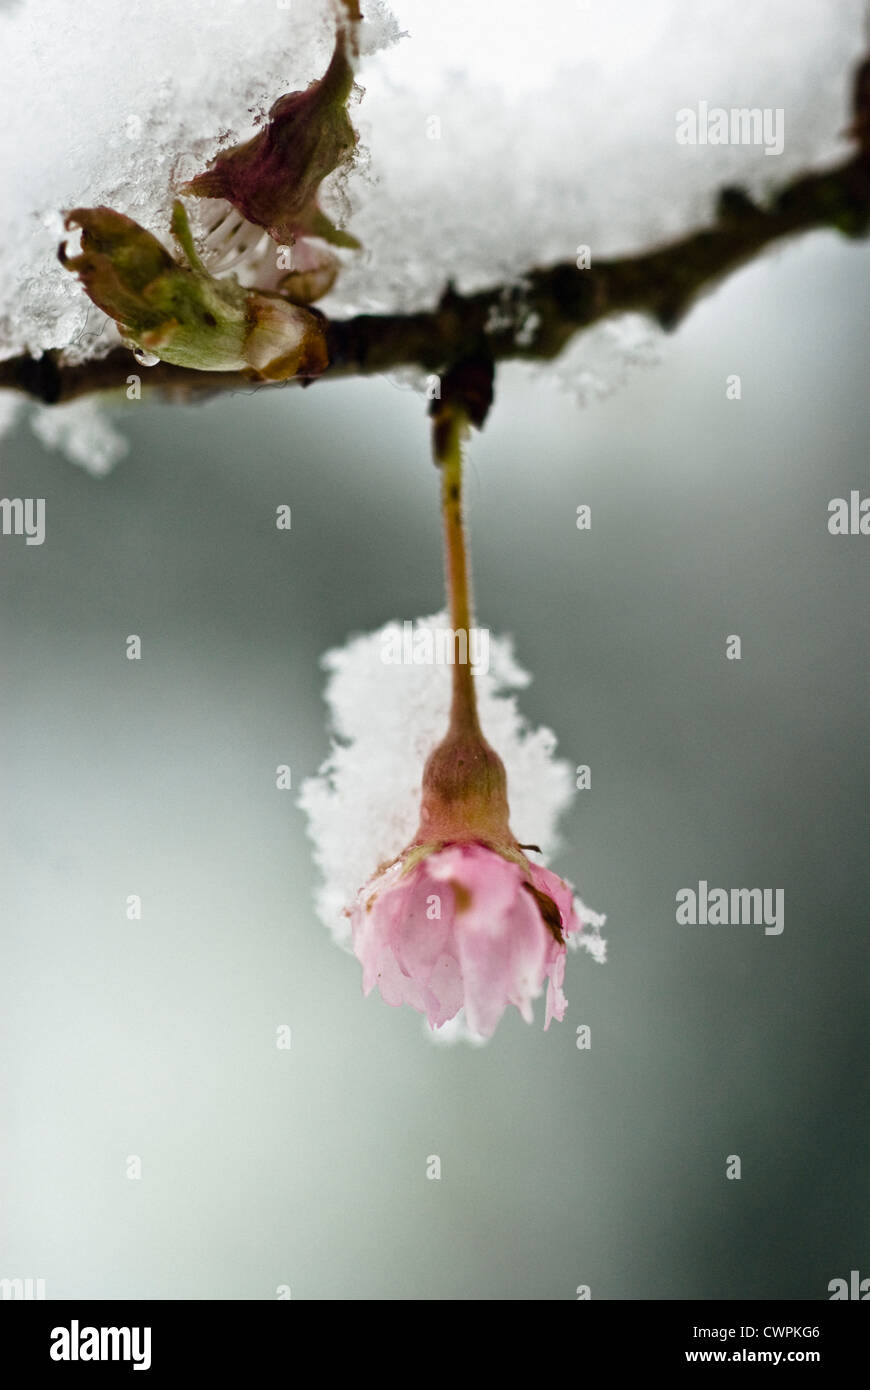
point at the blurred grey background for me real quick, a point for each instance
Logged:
(560, 1167)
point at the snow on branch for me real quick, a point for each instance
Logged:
(533, 319)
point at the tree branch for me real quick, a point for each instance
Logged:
(533, 319)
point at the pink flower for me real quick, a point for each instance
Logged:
(461, 918)
(465, 928)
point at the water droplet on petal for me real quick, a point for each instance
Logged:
(144, 358)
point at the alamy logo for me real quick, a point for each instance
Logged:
(857, 1288)
(739, 125)
(735, 907)
(22, 1288)
(850, 518)
(76, 1343)
(440, 646)
(23, 517)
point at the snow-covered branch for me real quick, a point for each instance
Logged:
(533, 319)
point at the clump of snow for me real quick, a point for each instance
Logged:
(495, 139)
(363, 806)
(117, 104)
(598, 362)
(503, 138)
(82, 431)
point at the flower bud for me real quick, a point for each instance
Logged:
(181, 313)
(273, 179)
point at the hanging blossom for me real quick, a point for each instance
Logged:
(462, 921)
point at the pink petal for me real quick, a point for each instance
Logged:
(562, 894)
(462, 931)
